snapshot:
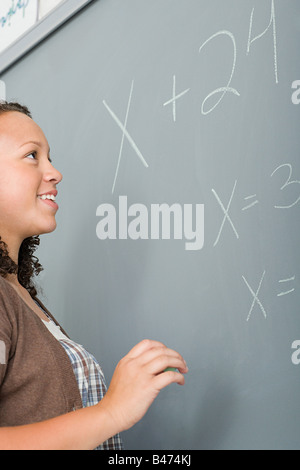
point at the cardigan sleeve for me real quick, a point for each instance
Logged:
(6, 334)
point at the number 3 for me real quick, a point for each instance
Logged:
(287, 183)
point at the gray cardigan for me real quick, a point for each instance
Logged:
(37, 381)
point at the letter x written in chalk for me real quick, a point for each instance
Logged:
(126, 134)
(226, 214)
(255, 297)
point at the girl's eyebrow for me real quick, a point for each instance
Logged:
(39, 144)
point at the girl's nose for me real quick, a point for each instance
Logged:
(52, 174)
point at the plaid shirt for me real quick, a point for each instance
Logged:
(89, 376)
(91, 383)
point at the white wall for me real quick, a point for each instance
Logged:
(46, 6)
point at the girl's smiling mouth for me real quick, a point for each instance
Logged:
(49, 198)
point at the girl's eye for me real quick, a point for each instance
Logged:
(33, 154)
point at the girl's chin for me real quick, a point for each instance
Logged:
(49, 230)
(44, 230)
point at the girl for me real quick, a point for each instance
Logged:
(52, 391)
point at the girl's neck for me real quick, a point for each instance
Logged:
(13, 279)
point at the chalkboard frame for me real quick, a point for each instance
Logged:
(40, 31)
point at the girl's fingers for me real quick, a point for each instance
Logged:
(159, 358)
(155, 357)
(161, 363)
(144, 346)
(166, 378)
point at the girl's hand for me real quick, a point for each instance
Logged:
(138, 379)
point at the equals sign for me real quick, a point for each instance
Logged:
(288, 291)
(253, 203)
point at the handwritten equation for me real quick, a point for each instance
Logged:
(286, 284)
(223, 90)
(286, 287)
(205, 109)
(252, 200)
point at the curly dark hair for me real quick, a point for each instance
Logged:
(28, 264)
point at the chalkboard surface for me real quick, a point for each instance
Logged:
(176, 126)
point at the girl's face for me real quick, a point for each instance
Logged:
(26, 173)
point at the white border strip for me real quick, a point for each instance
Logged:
(40, 31)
